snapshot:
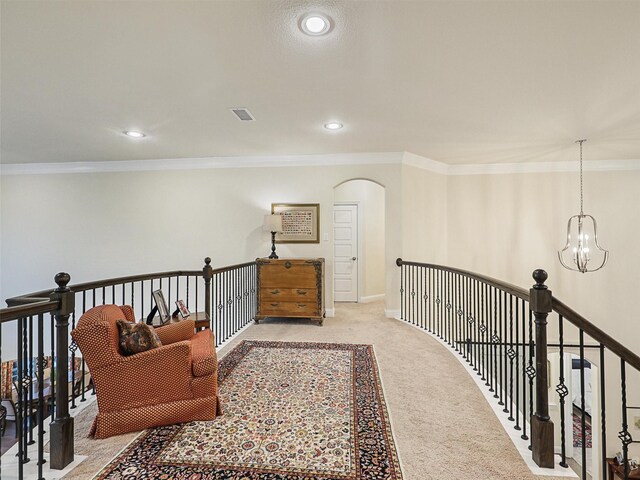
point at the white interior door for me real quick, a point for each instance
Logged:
(345, 253)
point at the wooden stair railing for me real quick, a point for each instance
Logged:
(228, 295)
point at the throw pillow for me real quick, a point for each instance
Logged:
(137, 337)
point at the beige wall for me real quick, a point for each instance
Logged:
(506, 226)
(424, 210)
(370, 198)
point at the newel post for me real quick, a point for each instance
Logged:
(62, 427)
(207, 274)
(541, 424)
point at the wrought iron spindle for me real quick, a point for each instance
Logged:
(31, 376)
(402, 270)
(603, 414)
(41, 367)
(21, 388)
(517, 363)
(524, 373)
(562, 391)
(531, 371)
(583, 408)
(624, 435)
(511, 355)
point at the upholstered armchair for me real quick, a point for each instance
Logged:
(173, 383)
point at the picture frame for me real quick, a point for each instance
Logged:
(182, 309)
(300, 222)
(163, 309)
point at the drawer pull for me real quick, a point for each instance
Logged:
(302, 292)
(275, 292)
(302, 305)
(275, 304)
(287, 264)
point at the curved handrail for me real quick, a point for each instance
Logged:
(81, 287)
(558, 306)
(507, 287)
(35, 308)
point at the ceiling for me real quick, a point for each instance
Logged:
(459, 82)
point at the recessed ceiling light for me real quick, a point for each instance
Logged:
(315, 24)
(134, 134)
(333, 126)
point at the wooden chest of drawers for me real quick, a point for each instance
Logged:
(290, 288)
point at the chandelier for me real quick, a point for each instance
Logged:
(582, 236)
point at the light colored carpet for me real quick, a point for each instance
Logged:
(442, 425)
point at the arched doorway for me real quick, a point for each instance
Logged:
(359, 241)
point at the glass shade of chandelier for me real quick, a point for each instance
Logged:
(582, 252)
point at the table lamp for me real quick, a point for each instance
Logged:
(273, 224)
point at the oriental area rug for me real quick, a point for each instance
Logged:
(291, 411)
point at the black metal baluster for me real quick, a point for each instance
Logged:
(430, 300)
(30, 376)
(412, 295)
(517, 365)
(483, 331)
(22, 401)
(582, 407)
(446, 301)
(402, 269)
(475, 325)
(41, 367)
(26, 386)
(496, 340)
(218, 281)
(562, 391)
(142, 298)
(531, 373)
(503, 352)
(456, 313)
(624, 435)
(84, 309)
(603, 415)
(511, 356)
(72, 348)
(467, 316)
(490, 334)
(524, 372)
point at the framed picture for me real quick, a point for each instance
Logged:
(163, 309)
(182, 309)
(300, 222)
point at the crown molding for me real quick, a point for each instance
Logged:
(378, 158)
(202, 163)
(544, 167)
(511, 168)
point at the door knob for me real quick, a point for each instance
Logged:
(353, 258)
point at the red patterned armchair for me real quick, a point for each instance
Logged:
(174, 383)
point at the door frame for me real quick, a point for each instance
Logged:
(359, 230)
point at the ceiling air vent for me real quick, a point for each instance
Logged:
(243, 114)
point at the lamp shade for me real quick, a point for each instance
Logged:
(272, 223)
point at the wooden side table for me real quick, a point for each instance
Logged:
(617, 472)
(201, 319)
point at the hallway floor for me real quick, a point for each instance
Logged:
(443, 426)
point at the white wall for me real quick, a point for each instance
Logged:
(100, 225)
(370, 198)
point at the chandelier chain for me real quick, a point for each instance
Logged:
(581, 196)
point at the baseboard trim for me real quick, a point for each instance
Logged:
(372, 298)
(330, 312)
(392, 313)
